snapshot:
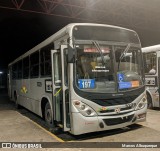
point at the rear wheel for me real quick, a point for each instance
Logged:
(48, 115)
(149, 102)
(16, 101)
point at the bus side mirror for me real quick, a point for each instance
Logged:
(71, 55)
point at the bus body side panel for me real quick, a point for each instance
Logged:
(23, 91)
(30, 93)
(37, 89)
(37, 92)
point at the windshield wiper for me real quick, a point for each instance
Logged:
(123, 54)
(100, 51)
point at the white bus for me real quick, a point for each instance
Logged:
(85, 78)
(151, 56)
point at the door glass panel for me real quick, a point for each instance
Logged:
(57, 69)
(65, 68)
(58, 105)
(67, 108)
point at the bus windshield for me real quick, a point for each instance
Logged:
(95, 74)
(108, 68)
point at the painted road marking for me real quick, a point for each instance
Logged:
(51, 134)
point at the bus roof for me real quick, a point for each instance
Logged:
(96, 24)
(61, 33)
(153, 48)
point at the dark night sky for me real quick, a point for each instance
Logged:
(20, 31)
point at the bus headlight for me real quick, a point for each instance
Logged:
(89, 112)
(84, 109)
(141, 104)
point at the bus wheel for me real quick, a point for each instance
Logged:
(149, 102)
(48, 115)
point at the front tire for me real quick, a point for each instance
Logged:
(48, 115)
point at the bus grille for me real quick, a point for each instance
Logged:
(119, 120)
(113, 110)
(115, 101)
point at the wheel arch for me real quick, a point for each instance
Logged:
(148, 93)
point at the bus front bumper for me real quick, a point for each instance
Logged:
(82, 124)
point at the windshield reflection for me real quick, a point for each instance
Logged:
(96, 70)
(95, 74)
(129, 73)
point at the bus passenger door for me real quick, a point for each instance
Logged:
(60, 88)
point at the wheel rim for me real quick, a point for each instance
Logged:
(48, 116)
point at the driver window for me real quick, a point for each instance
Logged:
(150, 62)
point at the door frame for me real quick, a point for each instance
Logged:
(61, 87)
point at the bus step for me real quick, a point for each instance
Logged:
(56, 130)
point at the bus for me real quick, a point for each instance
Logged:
(151, 56)
(85, 78)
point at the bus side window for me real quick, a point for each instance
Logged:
(19, 71)
(45, 59)
(14, 71)
(34, 65)
(26, 68)
(153, 70)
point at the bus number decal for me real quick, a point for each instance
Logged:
(86, 83)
